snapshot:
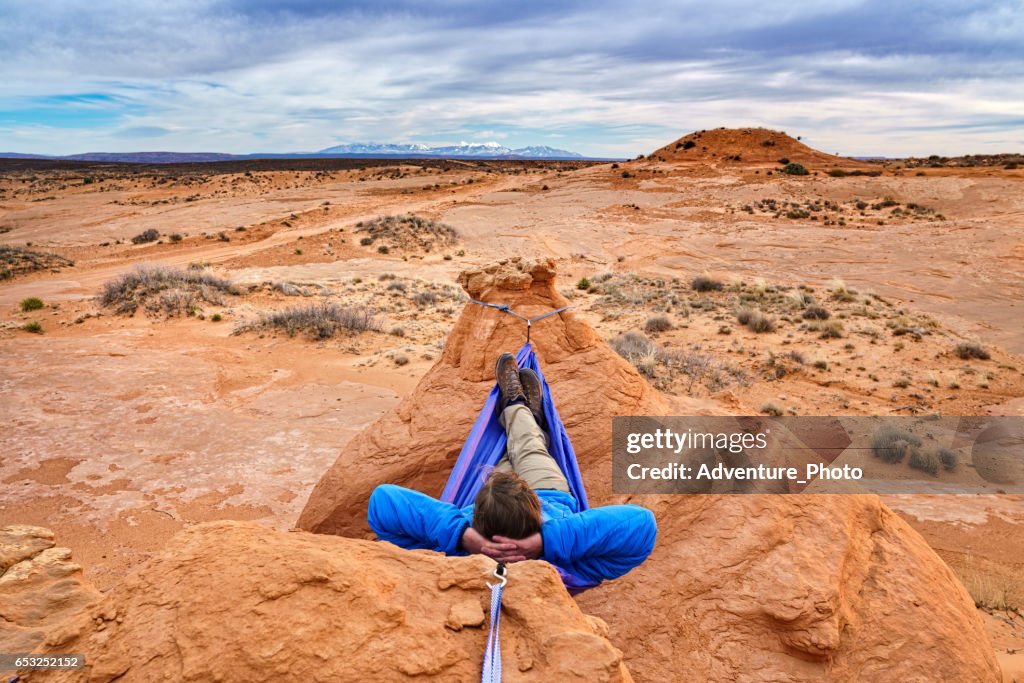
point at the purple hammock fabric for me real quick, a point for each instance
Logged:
(486, 445)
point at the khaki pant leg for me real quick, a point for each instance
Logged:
(527, 451)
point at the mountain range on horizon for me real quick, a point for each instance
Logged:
(463, 150)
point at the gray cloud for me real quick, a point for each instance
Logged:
(607, 77)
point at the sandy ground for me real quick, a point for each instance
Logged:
(122, 430)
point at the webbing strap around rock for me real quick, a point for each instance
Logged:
(505, 308)
(492, 655)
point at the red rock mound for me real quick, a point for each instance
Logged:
(739, 588)
(237, 602)
(750, 146)
(417, 444)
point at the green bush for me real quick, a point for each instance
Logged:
(34, 327)
(31, 304)
(583, 284)
(793, 168)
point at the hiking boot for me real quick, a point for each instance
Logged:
(534, 392)
(506, 370)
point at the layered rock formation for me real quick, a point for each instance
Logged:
(237, 602)
(40, 587)
(739, 588)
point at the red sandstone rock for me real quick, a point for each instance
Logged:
(739, 588)
(40, 587)
(237, 602)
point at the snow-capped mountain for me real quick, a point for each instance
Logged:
(463, 149)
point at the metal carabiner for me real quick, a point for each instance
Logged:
(501, 573)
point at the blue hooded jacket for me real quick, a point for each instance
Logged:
(596, 544)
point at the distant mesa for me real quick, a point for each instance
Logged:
(747, 145)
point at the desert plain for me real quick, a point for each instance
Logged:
(130, 415)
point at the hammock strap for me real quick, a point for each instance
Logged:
(492, 655)
(505, 308)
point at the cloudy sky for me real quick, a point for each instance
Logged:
(607, 78)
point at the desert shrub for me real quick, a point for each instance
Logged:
(815, 313)
(18, 260)
(31, 304)
(627, 174)
(926, 461)
(383, 249)
(793, 168)
(583, 284)
(703, 283)
(290, 288)
(396, 287)
(638, 350)
(783, 161)
(689, 144)
(838, 173)
(318, 321)
(398, 331)
(892, 444)
(769, 408)
(424, 298)
(163, 289)
(407, 231)
(298, 252)
(796, 214)
(840, 292)
(969, 350)
(401, 359)
(756, 321)
(34, 327)
(216, 317)
(150, 235)
(831, 330)
(658, 323)
(948, 458)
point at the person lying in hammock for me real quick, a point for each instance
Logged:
(524, 511)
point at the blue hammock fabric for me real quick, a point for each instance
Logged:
(486, 446)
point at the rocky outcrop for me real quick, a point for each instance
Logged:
(417, 444)
(40, 587)
(792, 588)
(739, 588)
(234, 601)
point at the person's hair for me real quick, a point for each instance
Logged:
(506, 506)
